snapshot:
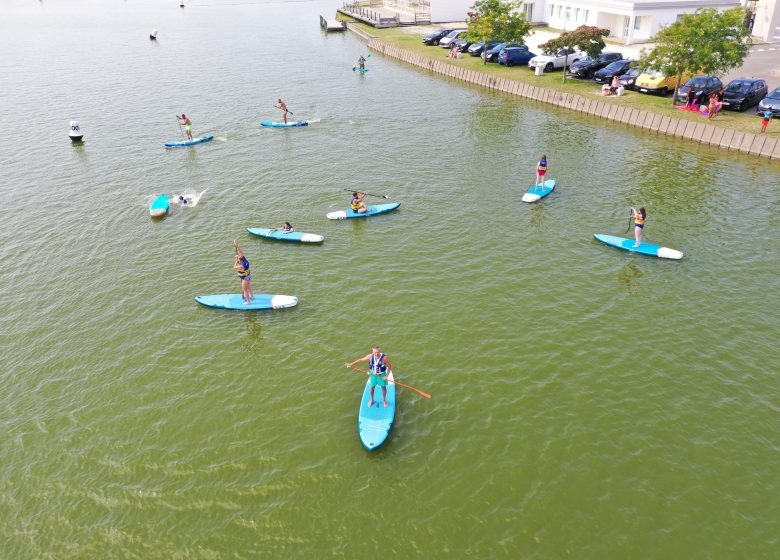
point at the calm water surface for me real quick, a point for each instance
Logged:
(587, 403)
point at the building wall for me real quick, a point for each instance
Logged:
(444, 11)
(766, 25)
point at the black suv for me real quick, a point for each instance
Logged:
(743, 93)
(702, 86)
(433, 39)
(617, 68)
(587, 67)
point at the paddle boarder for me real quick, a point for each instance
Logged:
(378, 367)
(185, 120)
(357, 204)
(639, 215)
(283, 106)
(541, 171)
(361, 62)
(287, 228)
(241, 265)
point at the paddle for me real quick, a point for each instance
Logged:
(423, 393)
(290, 112)
(180, 128)
(631, 217)
(368, 193)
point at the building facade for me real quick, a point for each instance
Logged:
(764, 19)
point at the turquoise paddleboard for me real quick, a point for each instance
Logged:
(360, 69)
(373, 210)
(375, 423)
(189, 142)
(235, 301)
(643, 249)
(284, 125)
(160, 206)
(298, 236)
(537, 193)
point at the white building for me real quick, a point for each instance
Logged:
(633, 21)
(766, 19)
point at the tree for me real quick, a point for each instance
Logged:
(706, 42)
(497, 20)
(588, 39)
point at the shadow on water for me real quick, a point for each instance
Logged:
(254, 332)
(537, 216)
(629, 275)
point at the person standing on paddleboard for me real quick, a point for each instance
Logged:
(361, 62)
(185, 120)
(357, 204)
(541, 171)
(378, 367)
(242, 268)
(283, 106)
(639, 216)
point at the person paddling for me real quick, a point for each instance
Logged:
(185, 120)
(361, 62)
(283, 106)
(357, 204)
(541, 171)
(242, 268)
(378, 367)
(286, 228)
(638, 215)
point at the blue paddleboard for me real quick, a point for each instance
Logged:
(537, 193)
(644, 248)
(373, 210)
(375, 423)
(286, 235)
(360, 69)
(284, 125)
(160, 206)
(189, 142)
(235, 301)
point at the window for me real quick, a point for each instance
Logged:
(637, 22)
(577, 14)
(552, 10)
(587, 12)
(560, 11)
(568, 13)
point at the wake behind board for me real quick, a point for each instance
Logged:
(160, 206)
(375, 423)
(644, 248)
(284, 125)
(537, 193)
(236, 302)
(188, 142)
(373, 210)
(286, 236)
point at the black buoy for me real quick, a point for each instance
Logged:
(153, 35)
(75, 133)
(181, 4)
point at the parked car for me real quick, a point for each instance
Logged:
(743, 93)
(515, 56)
(477, 48)
(655, 81)
(701, 85)
(616, 68)
(492, 54)
(445, 42)
(587, 67)
(433, 39)
(461, 43)
(771, 103)
(628, 80)
(551, 60)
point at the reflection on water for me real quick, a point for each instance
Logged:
(254, 332)
(630, 274)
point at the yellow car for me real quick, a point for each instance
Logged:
(654, 81)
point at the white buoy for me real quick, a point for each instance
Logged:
(153, 35)
(181, 4)
(75, 132)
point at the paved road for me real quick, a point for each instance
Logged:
(762, 62)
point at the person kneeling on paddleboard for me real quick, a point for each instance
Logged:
(287, 228)
(357, 204)
(242, 268)
(378, 367)
(184, 119)
(639, 215)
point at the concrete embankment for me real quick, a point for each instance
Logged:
(760, 145)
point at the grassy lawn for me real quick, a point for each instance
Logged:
(412, 42)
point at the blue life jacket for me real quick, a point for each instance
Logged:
(377, 367)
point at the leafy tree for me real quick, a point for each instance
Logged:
(588, 39)
(497, 20)
(708, 42)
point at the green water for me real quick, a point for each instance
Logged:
(587, 403)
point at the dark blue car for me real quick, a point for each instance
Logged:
(491, 55)
(515, 56)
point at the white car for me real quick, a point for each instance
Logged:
(446, 41)
(550, 61)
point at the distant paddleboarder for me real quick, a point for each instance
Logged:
(357, 204)
(283, 106)
(378, 367)
(639, 215)
(287, 228)
(361, 63)
(242, 268)
(187, 123)
(541, 171)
